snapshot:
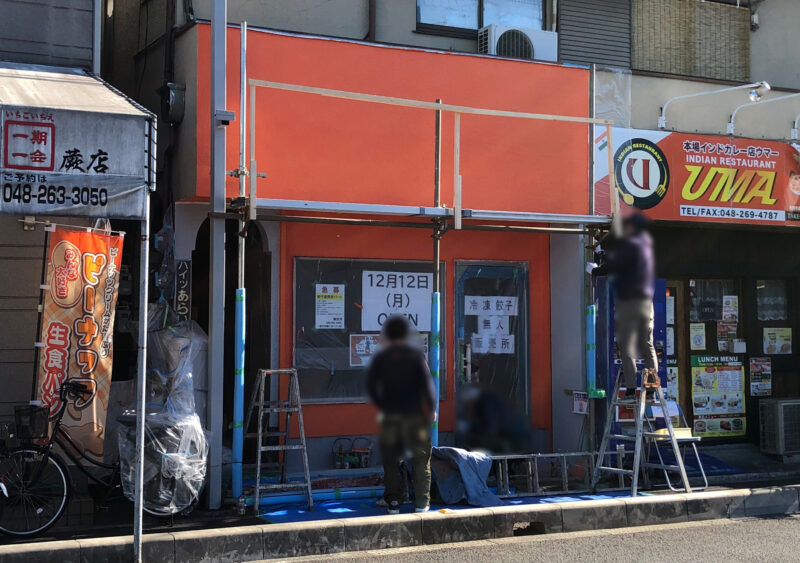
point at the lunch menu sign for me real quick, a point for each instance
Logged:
(686, 177)
(718, 398)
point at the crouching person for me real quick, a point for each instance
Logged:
(400, 384)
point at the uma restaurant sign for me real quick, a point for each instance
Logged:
(684, 177)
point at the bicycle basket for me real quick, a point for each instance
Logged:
(32, 421)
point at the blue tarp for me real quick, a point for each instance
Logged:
(461, 475)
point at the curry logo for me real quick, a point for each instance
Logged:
(641, 173)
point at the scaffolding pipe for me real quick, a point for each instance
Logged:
(141, 380)
(216, 290)
(436, 309)
(240, 319)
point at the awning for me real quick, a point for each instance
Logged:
(72, 145)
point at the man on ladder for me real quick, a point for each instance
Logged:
(630, 260)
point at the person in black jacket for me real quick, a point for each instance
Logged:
(632, 264)
(400, 384)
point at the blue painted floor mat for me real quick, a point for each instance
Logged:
(335, 509)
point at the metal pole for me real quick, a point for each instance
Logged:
(612, 186)
(436, 309)
(457, 171)
(216, 293)
(241, 298)
(141, 380)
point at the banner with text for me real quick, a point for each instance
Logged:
(62, 162)
(77, 328)
(687, 177)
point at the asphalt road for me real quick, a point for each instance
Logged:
(729, 541)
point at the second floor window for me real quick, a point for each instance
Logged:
(474, 14)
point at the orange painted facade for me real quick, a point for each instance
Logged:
(324, 149)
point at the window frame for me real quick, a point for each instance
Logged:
(376, 263)
(462, 32)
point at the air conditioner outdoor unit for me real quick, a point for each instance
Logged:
(518, 43)
(780, 426)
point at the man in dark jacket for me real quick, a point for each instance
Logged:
(630, 261)
(400, 384)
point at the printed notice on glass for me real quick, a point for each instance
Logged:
(760, 377)
(385, 294)
(493, 324)
(697, 336)
(362, 348)
(718, 396)
(730, 308)
(777, 340)
(670, 309)
(580, 402)
(491, 305)
(492, 343)
(329, 309)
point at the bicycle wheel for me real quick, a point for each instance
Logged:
(38, 487)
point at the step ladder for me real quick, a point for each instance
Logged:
(262, 410)
(639, 406)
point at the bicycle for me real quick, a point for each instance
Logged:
(35, 482)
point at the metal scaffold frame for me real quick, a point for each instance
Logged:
(437, 217)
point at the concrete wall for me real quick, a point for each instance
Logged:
(338, 18)
(54, 32)
(395, 20)
(774, 56)
(567, 337)
(708, 114)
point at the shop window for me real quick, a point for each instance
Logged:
(339, 307)
(462, 18)
(772, 300)
(714, 316)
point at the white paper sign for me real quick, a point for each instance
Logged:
(329, 306)
(491, 305)
(384, 294)
(670, 309)
(494, 324)
(492, 343)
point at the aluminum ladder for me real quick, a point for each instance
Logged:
(639, 406)
(263, 409)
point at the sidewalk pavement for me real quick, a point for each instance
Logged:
(248, 543)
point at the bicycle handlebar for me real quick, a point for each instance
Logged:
(74, 388)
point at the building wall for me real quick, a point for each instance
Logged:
(709, 114)
(568, 352)
(21, 254)
(324, 149)
(336, 18)
(328, 241)
(56, 33)
(773, 53)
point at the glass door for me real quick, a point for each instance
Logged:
(491, 322)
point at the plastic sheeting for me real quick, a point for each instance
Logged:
(176, 448)
(612, 95)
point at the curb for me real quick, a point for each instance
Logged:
(248, 543)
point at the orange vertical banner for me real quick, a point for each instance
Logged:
(77, 328)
